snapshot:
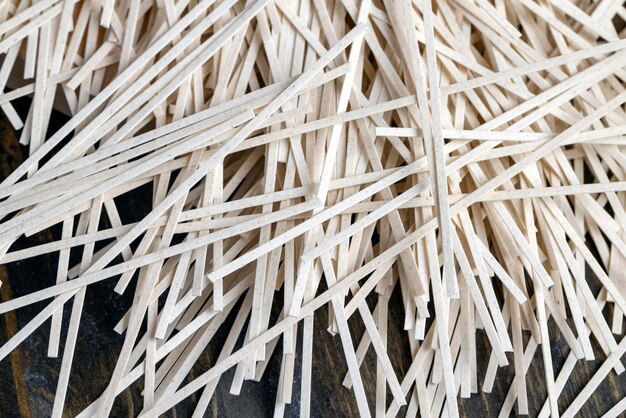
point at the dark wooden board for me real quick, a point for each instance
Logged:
(28, 377)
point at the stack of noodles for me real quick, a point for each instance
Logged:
(317, 154)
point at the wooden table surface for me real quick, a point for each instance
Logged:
(28, 377)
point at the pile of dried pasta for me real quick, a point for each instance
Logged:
(323, 154)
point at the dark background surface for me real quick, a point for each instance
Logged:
(28, 377)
